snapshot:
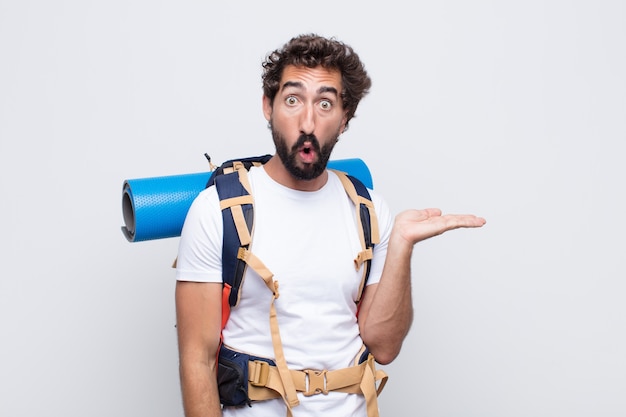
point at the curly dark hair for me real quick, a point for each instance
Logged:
(311, 50)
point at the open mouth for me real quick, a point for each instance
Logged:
(307, 153)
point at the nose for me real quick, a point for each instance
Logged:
(307, 120)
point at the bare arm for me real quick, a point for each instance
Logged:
(387, 308)
(198, 321)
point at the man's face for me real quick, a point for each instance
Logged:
(306, 118)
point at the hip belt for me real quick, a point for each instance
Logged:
(261, 380)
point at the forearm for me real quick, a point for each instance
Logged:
(199, 389)
(390, 309)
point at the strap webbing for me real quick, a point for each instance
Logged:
(265, 383)
(368, 232)
(288, 391)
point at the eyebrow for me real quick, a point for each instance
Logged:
(298, 84)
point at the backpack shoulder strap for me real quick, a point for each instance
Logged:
(366, 218)
(237, 204)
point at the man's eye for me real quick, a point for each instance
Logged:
(325, 104)
(291, 100)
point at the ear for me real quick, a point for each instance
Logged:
(344, 121)
(267, 108)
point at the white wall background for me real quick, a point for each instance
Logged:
(515, 111)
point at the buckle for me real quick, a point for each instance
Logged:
(315, 382)
(258, 373)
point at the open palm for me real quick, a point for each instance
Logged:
(417, 225)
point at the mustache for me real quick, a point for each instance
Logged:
(315, 144)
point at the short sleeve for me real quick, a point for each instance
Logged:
(200, 247)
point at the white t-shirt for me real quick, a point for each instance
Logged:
(309, 241)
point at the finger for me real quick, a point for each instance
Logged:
(456, 221)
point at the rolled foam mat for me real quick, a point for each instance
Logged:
(156, 207)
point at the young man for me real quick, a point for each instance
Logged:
(305, 233)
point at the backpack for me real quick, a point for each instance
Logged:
(243, 378)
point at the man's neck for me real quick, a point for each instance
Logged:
(277, 171)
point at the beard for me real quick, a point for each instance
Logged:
(289, 156)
